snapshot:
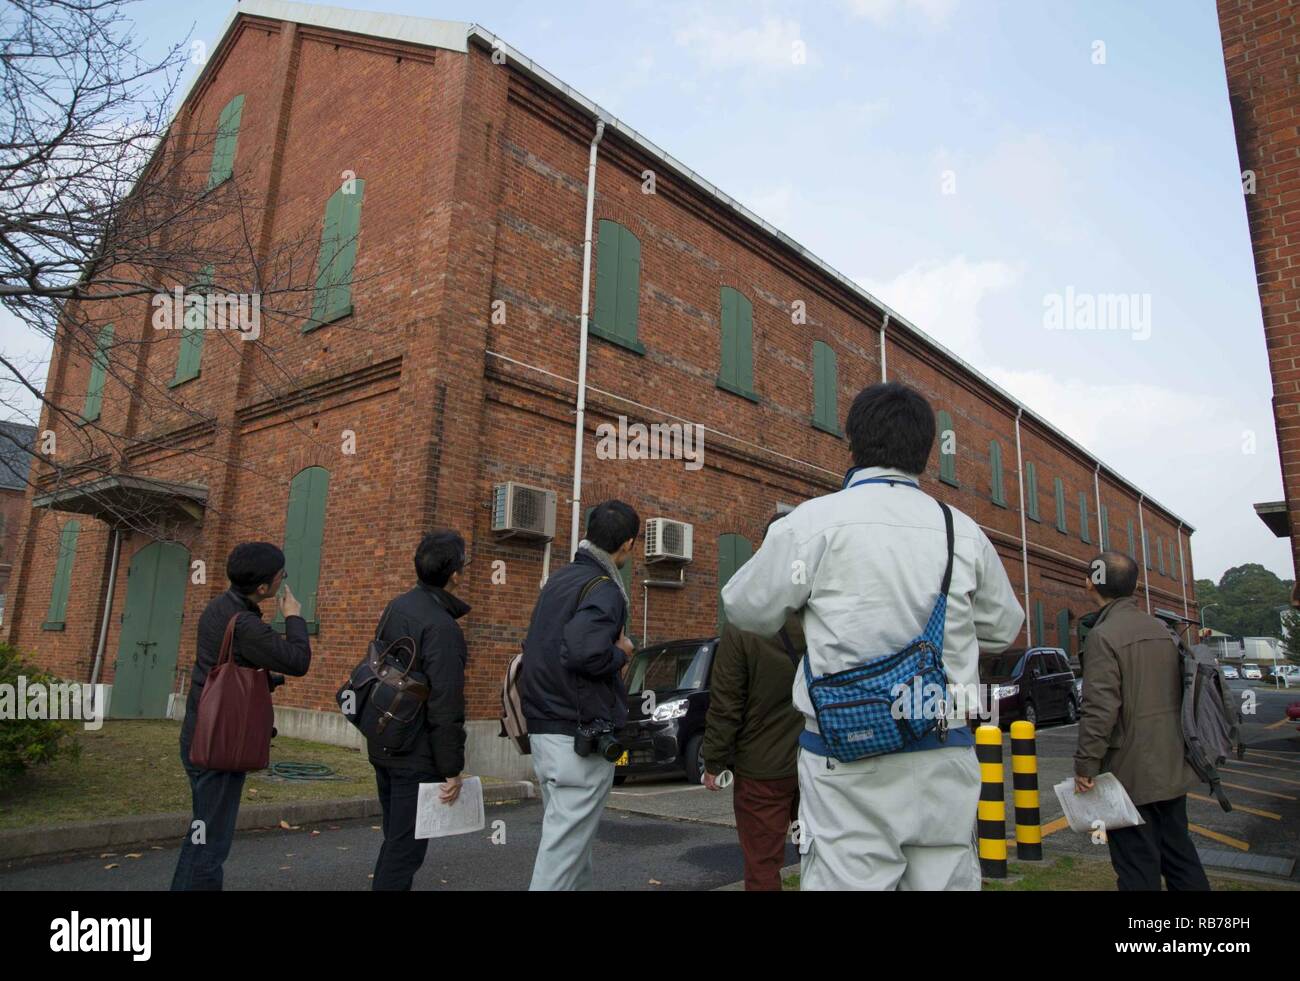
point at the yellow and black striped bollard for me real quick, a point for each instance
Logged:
(992, 821)
(1024, 785)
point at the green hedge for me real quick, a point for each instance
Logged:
(29, 742)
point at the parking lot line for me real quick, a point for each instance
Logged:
(1239, 807)
(1054, 826)
(1236, 843)
(657, 793)
(1260, 776)
(1262, 766)
(1279, 724)
(1272, 756)
(1256, 790)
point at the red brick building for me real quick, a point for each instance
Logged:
(1261, 52)
(453, 358)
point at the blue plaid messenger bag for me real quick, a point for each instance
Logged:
(858, 710)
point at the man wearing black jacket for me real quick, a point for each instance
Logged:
(256, 572)
(574, 654)
(427, 615)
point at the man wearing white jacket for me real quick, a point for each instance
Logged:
(864, 567)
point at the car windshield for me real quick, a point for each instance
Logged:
(675, 668)
(1000, 665)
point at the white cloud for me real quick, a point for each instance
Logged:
(720, 44)
(943, 298)
(936, 13)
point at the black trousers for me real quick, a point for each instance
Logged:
(1162, 846)
(401, 854)
(206, 845)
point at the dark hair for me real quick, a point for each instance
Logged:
(891, 425)
(440, 554)
(252, 564)
(1119, 575)
(611, 523)
(773, 520)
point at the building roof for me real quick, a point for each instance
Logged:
(17, 441)
(456, 35)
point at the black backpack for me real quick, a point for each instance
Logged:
(384, 697)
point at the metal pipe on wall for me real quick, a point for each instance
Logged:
(1024, 540)
(580, 420)
(1146, 565)
(108, 608)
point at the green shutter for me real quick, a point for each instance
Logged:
(995, 465)
(304, 536)
(1040, 634)
(733, 552)
(629, 285)
(947, 461)
(826, 409)
(1031, 491)
(737, 373)
(98, 374)
(1083, 518)
(1104, 532)
(1160, 553)
(227, 138)
(1128, 527)
(1061, 525)
(336, 261)
(1146, 548)
(1063, 632)
(62, 576)
(191, 347)
(618, 285)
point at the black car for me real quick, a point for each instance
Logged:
(667, 699)
(1035, 685)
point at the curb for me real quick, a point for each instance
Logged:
(23, 843)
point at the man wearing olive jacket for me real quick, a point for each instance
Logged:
(753, 727)
(1130, 726)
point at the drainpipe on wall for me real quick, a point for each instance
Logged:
(1146, 566)
(1182, 569)
(1102, 534)
(1024, 541)
(884, 326)
(108, 609)
(582, 348)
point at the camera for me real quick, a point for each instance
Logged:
(597, 736)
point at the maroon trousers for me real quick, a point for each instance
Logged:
(764, 810)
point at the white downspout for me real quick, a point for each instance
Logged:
(1024, 541)
(582, 344)
(1102, 533)
(1146, 565)
(1182, 569)
(108, 610)
(884, 326)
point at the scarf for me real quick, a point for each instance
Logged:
(606, 562)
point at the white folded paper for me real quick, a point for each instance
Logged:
(1107, 802)
(434, 819)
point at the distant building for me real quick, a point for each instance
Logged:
(16, 441)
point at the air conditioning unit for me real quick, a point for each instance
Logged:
(522, 511)
(668, 541)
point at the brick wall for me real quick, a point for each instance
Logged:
(1261, 52)
(475, 188)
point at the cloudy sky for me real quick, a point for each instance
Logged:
(967, 161)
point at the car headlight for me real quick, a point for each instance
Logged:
(1005, 691)
(670, 710)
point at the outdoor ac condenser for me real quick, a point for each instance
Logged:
(523, 512)
(668, 541)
